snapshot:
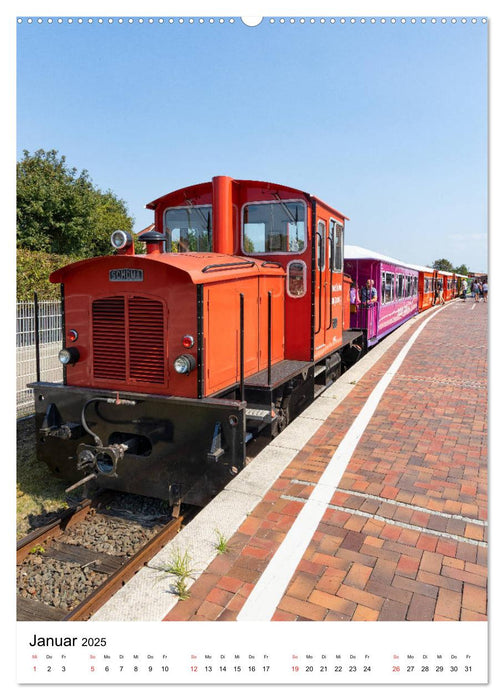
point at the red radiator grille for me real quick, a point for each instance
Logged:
(128, 339)
(109, 338)
(146, 336)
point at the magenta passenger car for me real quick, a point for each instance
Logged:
(396, 285)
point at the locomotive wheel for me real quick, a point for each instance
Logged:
(282, 421)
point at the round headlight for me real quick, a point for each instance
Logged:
(68, 356)
(184, 364)
(120, 239)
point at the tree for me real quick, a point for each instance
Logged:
(442, 264)
(462, 270)
(60, 211)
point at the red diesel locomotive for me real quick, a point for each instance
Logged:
(227, 328)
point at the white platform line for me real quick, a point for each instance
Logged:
(268, 591)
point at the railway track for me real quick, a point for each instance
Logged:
(70, 567)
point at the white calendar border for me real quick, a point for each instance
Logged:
(272, 9)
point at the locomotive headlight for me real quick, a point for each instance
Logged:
(68, 356)
(184, 364)
(121, 239)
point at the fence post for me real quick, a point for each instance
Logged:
(37, 339)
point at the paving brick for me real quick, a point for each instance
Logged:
(415, 586)
(330, 580)
(364, 614)
(393, 611)
(449, 604)
(384, 571)
(184, 610)
(467, 552)
(350, 555)
(333, 602)
(250, 525)
(446, 547)
(282, 616)
(421, 608)
(471, 616)
(409, 537)
(427, 542)
(407, 566)
(205, 583)
(210, 611)
(302, 585)
(358, 575)
(465, 576)
(305, 609)
(475, 569)
(474, 598)
(431, 561)
(360, 597)
(440, 581)
(243, 574)
(228, 583)
(219, 596)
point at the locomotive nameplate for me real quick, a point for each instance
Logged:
(126, 274)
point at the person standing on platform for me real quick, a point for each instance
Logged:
(464, 289)
(485, 291)
(475, 291)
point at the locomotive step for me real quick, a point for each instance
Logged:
(258, 414)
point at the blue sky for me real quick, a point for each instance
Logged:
(386, 122)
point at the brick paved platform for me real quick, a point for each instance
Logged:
(404, 534)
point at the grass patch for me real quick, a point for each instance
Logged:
(39, 493)
(179, 566)
(222, 544)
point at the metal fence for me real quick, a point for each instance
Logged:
(49, 317)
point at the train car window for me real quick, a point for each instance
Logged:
(400, 286)
(336, 236)
(188, 229)
(296, 279)
(387, 291)
(274, 227)
(321, 245)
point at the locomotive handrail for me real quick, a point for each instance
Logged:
(238, 263)
(270, 263)
(269, 337)
(330, 238)
(242, 347)
(318, 263)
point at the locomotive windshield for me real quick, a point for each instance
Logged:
(188, 229)
(274, 227)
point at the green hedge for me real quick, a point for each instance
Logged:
(33, 270)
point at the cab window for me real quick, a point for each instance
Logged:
(336, 238)
(274, 227)
(296, 278)
(188, 229)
